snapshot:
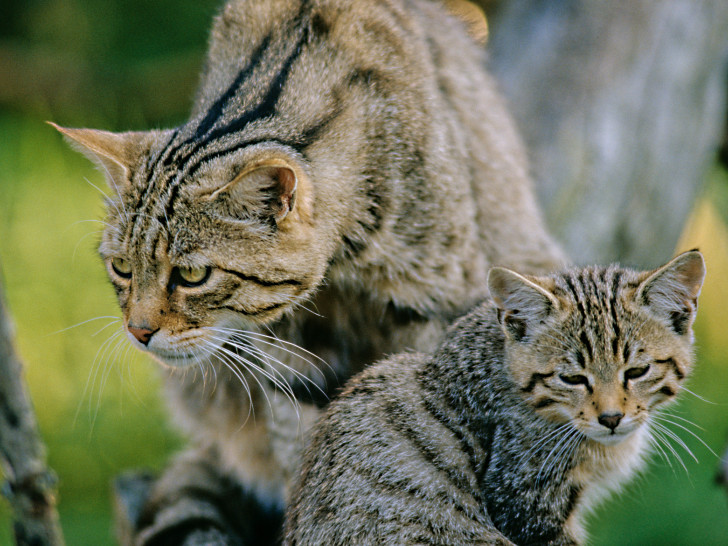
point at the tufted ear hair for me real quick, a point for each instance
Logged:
(671, 292)
(266, 189)
(522, 302)
(114, 153)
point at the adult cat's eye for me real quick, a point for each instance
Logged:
(192, 276)
(574, 379)
(121, 267)
(635, 373)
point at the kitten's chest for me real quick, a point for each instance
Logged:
(600, 469)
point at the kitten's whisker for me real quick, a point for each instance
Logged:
(524, 458)
(698, 438)
(675, 438)
(659, 434)
(683, 387)
(654, 441)
(547, 466)
(688, 421)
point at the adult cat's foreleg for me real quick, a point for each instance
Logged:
(193, 504)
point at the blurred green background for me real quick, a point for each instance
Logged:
(133, 65)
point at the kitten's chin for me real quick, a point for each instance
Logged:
(611, 439)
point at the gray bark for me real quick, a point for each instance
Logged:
(30, 486)
(622, 105)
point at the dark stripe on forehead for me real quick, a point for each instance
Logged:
(613, 302)
(578, 298)
(584, 340)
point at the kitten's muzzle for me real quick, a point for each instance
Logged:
(610, 420)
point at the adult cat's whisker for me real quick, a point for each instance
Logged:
(251, 348)
(665, 419)
(282, 385)
(93, 372)
(277, 343)
(108, 367)
(230, 365)
(256, 351)
(283, 345)
(115, 319)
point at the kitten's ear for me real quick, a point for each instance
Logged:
(671, 291)
(521, 302)
(270, 187)
(114, 153)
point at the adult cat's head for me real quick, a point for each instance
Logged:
(227, 242)
(600, 348)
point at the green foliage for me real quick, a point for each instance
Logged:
(120, 64)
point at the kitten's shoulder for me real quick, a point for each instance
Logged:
(385, 377)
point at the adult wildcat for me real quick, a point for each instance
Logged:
(532, 408)
(346, 177)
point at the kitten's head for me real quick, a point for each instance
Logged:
(198, 242)
(600, 347)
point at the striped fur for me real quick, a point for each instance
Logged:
(346, 177)
(504, 435)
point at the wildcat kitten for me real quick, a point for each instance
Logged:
(346, 178)
(532, 409)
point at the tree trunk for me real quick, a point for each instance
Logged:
(622, 105)
(30, 485)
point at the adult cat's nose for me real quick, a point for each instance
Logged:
(610, 420)
(143, 335)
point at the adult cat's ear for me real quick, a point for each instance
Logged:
(266, 189)
(115, 153)
(521, 302)
(671, 291)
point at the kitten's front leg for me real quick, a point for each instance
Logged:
(193, 504)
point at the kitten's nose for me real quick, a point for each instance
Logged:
(610, 420)
(143, 335)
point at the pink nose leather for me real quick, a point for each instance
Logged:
(143, 335)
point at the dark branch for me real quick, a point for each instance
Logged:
(30, 485)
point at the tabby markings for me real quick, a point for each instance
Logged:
(671, 362)
(535, 379)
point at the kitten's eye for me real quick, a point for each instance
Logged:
(634, 373)
(574, 379)
(121, 267)
(193, 276)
